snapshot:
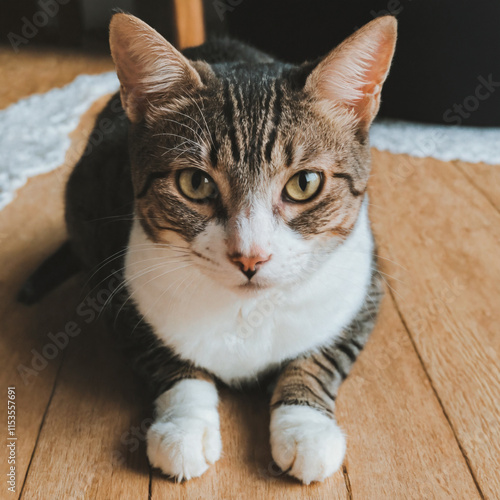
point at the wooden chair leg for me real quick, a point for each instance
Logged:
(189, 23)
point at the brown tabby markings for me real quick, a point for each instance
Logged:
(255, 149)
(314, 380)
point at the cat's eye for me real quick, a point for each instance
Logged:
(303, 186)
(196, 185)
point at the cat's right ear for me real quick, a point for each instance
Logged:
(149, 68)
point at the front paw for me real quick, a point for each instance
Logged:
(306, 443)
(185, 439)
(184, 447)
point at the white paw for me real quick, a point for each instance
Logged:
(185, 438)
(307, 442)
(184, 447)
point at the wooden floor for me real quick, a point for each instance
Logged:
(420, 410)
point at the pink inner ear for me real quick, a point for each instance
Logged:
(352, 75)
(367, 107)
(127, 69)
(147, 65)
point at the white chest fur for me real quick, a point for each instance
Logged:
(236, 337)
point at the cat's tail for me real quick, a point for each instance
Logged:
(51, 273)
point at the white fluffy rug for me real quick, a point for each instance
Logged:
(34, 134)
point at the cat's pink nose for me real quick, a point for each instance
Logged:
(249, 264)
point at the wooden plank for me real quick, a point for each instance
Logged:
(485, 177)
(23, 340)
(34, 70)
(189, 23)
(432, 221)
(92, 444)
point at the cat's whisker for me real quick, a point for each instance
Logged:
(391, 261)
(191, 118)
(378, 207)
(204, 119)
(194, 143)
(133, 278)
(117, 255)
(382, 276)
(389, 276)
(124, 251)
(200, 138)
(154, 267)
(159, 298)
(168, 150)
(181, 153)
(102, 264)
(142, 261)
(392, 289)
(109, 276)
(110, 217)
(131, 218)
(152, 279)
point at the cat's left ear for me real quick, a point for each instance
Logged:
(151, 71)
(351, 76)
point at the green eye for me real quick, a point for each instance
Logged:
(196, 185)
(303, 186)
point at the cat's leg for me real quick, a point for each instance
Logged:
(305, 438)
(185, 436)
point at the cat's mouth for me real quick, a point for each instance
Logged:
(253, 286)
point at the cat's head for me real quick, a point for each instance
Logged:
(256, 168)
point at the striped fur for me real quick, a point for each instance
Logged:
(314, 379)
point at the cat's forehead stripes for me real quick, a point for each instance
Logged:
(247, 129)
(252, 110)
(275, 119)
(229, 113)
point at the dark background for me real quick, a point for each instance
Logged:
(446, 48)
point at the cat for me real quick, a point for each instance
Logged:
(229, 197)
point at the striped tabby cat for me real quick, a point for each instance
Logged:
(238, 212)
